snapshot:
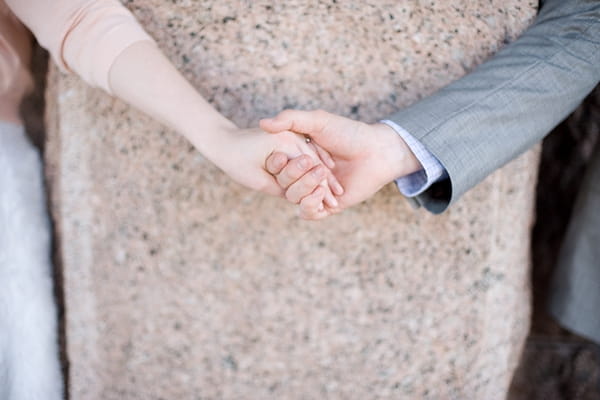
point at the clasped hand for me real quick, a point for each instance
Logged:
(345, 163)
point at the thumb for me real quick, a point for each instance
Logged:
(274, 125)
(310, 123)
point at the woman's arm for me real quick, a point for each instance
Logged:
(103, 43)
(143, 77)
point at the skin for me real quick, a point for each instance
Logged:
(366, 156)
(172, 100)
(362, 165)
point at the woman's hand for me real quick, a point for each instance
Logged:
(241, 154)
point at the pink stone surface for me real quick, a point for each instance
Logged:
(181, 284)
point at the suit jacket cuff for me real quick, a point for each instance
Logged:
(433, 171)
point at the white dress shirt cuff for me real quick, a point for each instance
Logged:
(433, 171)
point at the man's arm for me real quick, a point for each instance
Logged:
(480, 122)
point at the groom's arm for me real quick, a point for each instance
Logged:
(480, 122)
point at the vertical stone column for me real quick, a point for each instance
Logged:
(181, 284)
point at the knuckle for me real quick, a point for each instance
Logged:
(293, 174)
(286, 178)
(286, 114)
(310, 181)
(273, 164)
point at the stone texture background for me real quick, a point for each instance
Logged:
(181, 284)
(556, 365)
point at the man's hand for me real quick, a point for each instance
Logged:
(366, 158)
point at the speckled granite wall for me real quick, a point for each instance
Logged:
(180, 284)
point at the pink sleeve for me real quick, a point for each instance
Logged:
(84, 36)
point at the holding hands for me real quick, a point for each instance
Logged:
(241, 153)
(365, 158)
(245, 151)
(344, 163)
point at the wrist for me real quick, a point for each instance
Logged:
(209, 135)
(395, 154)
(171, 99)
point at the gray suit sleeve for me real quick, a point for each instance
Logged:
(485, 119)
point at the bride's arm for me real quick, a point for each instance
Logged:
(103, 43)
(143, 77)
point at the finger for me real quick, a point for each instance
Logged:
(307, 122)
(306, 184)
(334, 184)
(294, 170)
(329, 198)
(275, 163)
(311, 207)
(323, 155)
(332, 181)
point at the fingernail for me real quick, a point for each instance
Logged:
(329, 197)
(331, 200)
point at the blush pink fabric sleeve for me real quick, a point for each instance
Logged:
(83, 36)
